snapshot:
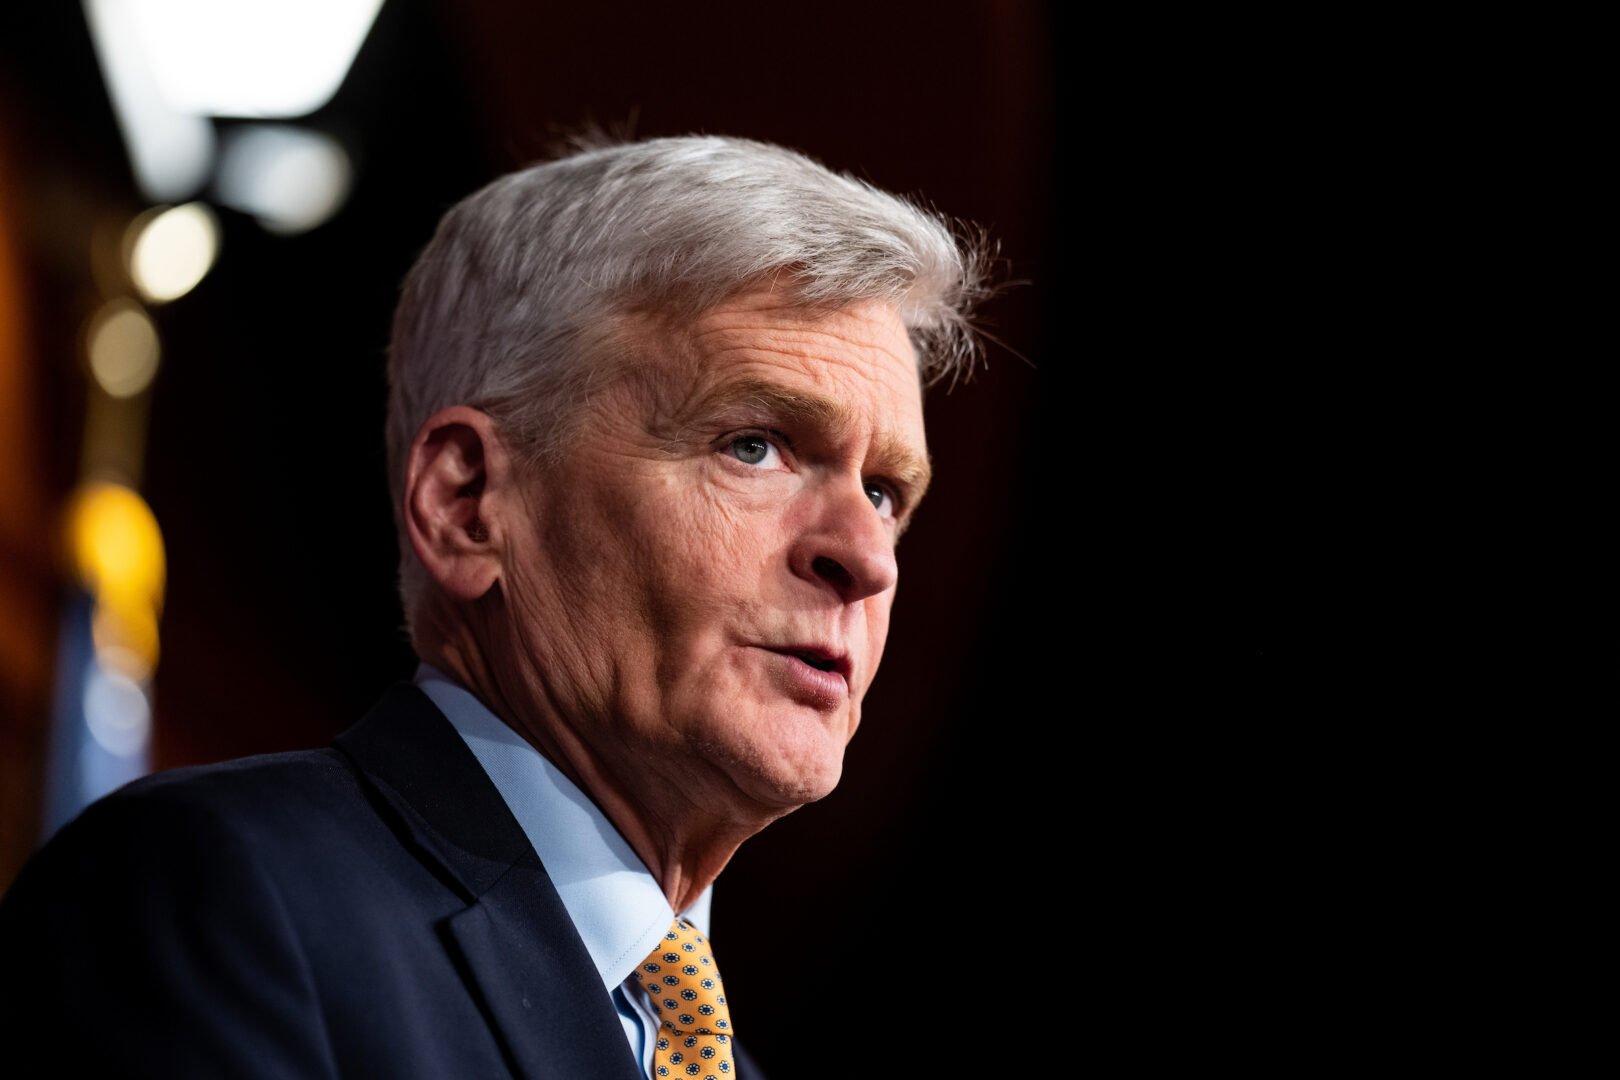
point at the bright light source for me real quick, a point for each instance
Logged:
(292, 179)
(170, 250)
(170, 152)
(123, 348)
(259, 58)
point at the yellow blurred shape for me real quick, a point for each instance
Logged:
(117, 552)
(170, 250)
(123, 348)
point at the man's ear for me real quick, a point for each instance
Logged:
(457, 475)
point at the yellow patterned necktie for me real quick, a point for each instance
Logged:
(694, 1033)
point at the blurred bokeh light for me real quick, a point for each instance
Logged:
(289, 178)
(171, 249)
(123, 349)
(254, 58)
(118, 557)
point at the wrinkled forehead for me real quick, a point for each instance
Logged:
(862, 349)
(854, 365)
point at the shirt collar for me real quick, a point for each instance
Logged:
(616, 905)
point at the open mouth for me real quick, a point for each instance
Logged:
(820, 659)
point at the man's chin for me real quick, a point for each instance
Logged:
(781, 783)
(811, 789)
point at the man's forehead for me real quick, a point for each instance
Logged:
(867, 335)
(841, 346)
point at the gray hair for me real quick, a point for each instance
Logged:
(510, 306)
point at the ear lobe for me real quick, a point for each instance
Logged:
(449, 515)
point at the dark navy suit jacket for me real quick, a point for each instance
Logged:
(368, 910)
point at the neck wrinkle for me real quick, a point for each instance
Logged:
(683, 847)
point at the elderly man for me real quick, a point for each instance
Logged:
(655, 428)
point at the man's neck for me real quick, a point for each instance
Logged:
(684, 845)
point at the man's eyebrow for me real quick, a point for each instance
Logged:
(762, 402)
(768, 399)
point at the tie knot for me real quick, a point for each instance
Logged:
(683, 984)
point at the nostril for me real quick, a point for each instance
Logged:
(833, 571)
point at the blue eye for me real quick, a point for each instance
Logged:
(880, 499)
(755, 450)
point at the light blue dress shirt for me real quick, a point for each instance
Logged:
(618, 908)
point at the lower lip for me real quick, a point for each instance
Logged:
(809, 685)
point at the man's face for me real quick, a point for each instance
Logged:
(703, 589)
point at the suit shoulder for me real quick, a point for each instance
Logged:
(228, 780)
(256, 803)
(160, 925)
(269, 789)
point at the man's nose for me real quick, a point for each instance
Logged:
(848, 546)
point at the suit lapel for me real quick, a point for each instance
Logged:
(514, 941)
(535, 986)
